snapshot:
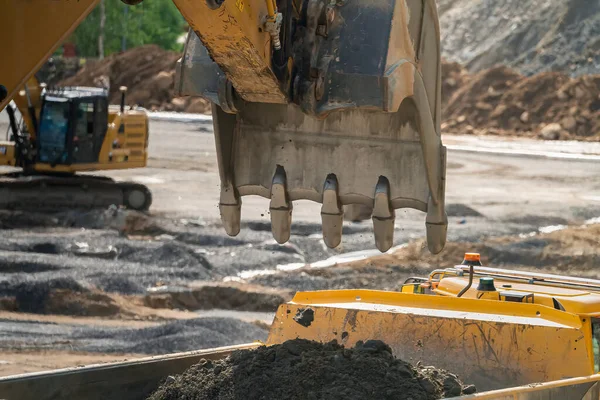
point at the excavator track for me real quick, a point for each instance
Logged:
(20, 191)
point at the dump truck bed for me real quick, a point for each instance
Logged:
(136, 379)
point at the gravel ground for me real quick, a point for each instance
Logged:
(170, 337)
(182, 253)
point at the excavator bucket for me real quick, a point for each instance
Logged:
(358, 122)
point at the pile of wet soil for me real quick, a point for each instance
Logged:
(149, 74)
(500, 100)
(301, 369)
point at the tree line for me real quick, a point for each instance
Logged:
(113, 27)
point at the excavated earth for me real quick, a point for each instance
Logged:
(305, 370)
(149, 74)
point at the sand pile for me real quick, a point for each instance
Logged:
(301, 369)
(149, 74)
(501, 101)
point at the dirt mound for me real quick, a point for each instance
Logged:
(454, 77)
(147, 71)
(61, 296)
(533, 36)
(498, 100)
(501, 101)
(172, 254)
(301, 369)
(219, 296)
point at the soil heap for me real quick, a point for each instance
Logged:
(301, 369)
(149, 74)
(531, 36)
(502, 101)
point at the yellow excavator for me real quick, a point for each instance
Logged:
(63, 131)
(338, 102)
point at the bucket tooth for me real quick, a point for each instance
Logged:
(280, 208)
(383, 216)
(437, 227)
(230, 208)
(332, 214)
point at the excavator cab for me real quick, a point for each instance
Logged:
(72, 126)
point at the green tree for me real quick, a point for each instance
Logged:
(153, 21)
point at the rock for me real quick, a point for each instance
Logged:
(569, 123)
(102, 81)
(469, 389)
(163, 80)
(198, 106)
(562, 95)
(299, 369)
(551, 131)
(461, 119)
(524, 117)
(483, 106)
(179, 103)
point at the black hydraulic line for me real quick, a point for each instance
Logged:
(464, 290)
(12, 121)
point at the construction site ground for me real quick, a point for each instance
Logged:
(86, 287)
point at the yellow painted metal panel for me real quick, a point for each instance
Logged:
(7, 153)
(31, 30)
(236, 40)
(491, 344)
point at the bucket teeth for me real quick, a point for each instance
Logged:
(436, 237)
(383, 216)
(332, 214)
(230, 208)
(280, 208)
(437, 227)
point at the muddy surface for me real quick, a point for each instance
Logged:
(301, 369)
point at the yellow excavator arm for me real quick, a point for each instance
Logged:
(31, 30)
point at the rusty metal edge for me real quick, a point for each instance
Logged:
(132, 379)
(585, 387)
